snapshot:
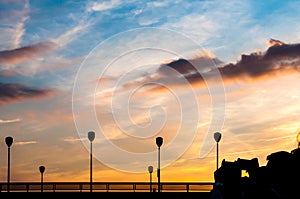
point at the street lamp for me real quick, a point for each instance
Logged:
(217, 136)
(159, 142)
(8, 140)
(42, 170)
(91, 136)
(150, 169)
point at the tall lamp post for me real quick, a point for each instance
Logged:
(8, 140)
(91, 136)
(42, 170)
(159, 142)
(150, 169)
(217, 137)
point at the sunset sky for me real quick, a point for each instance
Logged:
(134, 70)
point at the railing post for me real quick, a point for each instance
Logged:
(187, 187)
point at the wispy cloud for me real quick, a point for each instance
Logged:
(72, 34)
(19, 29)
(158, 3)
(26, 53)
(103, 5)
(72, 139)
(26, 143)
(13, 21)
(10, 121)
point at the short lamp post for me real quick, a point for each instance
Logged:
(150, 169)
(159, 142)
(42, 170)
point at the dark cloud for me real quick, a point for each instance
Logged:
(280, 58)
(26, 53)
(14, 92)
(17, 92)
(191, 70)
(199, 64)
(177, 73)
(182, 66)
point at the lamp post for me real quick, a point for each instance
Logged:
(42, 170)
(91, 136)
(159, 142)
(217, 137)
(8, 140)
(150, 169)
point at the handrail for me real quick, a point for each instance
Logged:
(106, 187)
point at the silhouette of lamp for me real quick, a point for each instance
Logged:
(42, 170)
(150, 169)
(217, 137)
(91, 136)
(159, 142)
(8, 140)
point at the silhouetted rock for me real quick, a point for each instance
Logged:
(279, 179)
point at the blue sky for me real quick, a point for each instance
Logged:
(124, 70)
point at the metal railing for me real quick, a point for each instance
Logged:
(106, 187)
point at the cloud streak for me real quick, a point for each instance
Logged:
(9, 121)
(26, 143)
(101, 6)
(26, 53)
(18, 92)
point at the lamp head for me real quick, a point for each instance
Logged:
(159, 141)
(150, 169)
(42, 169)
(9, 140)
(217, 136)
(91, 135)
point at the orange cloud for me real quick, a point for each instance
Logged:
(26, 53)
(103, 79)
